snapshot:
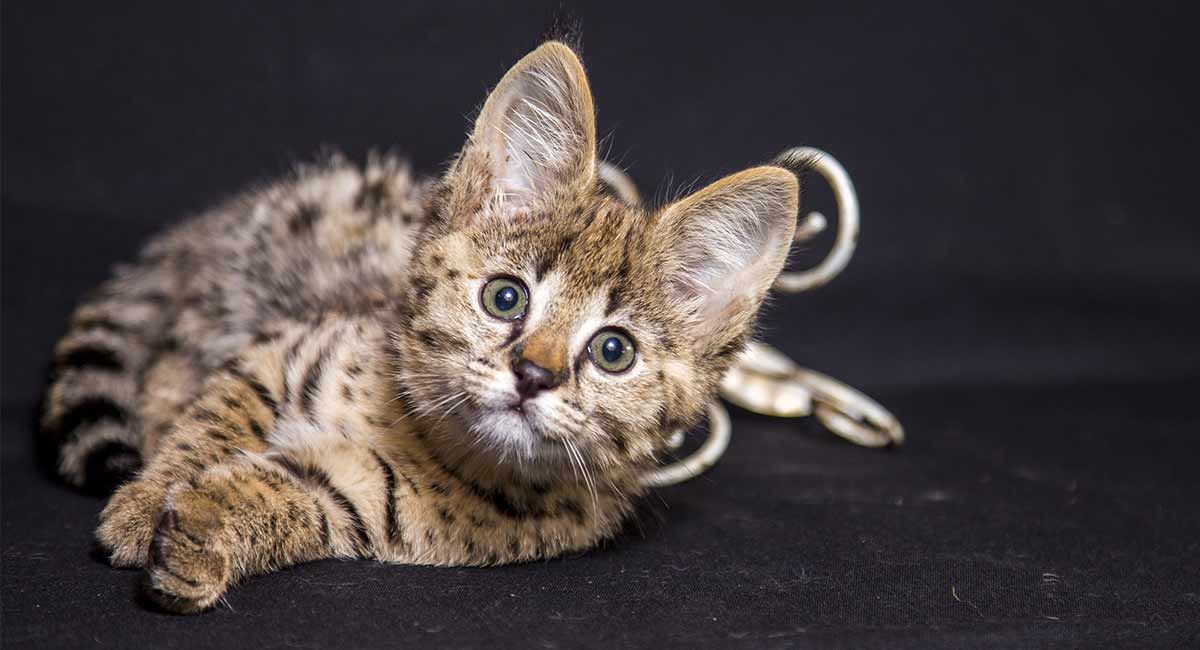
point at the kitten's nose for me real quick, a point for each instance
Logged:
(532, 378)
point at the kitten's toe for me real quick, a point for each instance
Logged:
(127, 524)
(189, 567)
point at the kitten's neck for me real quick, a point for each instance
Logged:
(455, 445)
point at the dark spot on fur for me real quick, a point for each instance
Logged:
(615, 299)
(518, 326)
(372, 196)
(497, 498)
(624, 270)
(110, 464)
(312, 382)
(316, 477)
(303, 218)
(218, 434)
(404, 314)
(612, 427)
(90, 357)
(260, 391)
(155, 297)
(88, 411)
(731, 348)
(669, 345)
(208, 416)
(572, 508)
(422, 287)
(257, 429)
(263, 337)
(439, 340)
(389, 496)
(552, 256)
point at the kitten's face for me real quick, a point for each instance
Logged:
(554, 325)
(551, 335)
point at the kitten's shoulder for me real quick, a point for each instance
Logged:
(338, 369)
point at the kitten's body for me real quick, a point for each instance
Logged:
(307, 370)
(331, 239)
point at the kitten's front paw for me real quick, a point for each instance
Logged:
(127, 523)
(189, 566)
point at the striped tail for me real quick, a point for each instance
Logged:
(90, 410)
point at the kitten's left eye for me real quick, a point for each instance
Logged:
(504, 298)
(612, 350)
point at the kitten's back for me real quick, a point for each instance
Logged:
(331, 237)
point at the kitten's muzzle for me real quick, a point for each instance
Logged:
(532, 378)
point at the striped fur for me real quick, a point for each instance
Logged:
(307, 370)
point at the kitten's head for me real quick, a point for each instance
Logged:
(547, 319)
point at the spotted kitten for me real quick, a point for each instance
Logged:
(355, 363)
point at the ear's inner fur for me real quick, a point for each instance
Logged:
(535, 138)
(723, 247)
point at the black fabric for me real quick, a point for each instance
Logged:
(1024, 298)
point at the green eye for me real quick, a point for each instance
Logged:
(505, 298)
(612, 350)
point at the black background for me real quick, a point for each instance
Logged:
(1024, 297)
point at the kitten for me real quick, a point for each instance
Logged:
(351, 362)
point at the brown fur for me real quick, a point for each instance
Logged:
(308, 372)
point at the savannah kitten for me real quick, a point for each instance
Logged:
(351, 362)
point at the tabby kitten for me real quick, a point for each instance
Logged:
(355, 363)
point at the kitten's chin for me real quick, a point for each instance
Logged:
(508, 433)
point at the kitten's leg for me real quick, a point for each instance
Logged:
(243, 517)
(321, 490)
(169, 386)
(239, 405)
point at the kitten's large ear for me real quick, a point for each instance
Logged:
(536, 134)
(723, 246)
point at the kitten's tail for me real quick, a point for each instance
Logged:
(89, 420)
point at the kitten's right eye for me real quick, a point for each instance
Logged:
(505, 298)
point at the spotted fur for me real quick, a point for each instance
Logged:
(307, 371)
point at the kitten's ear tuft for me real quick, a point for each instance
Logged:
(723, 247)
(536, 133)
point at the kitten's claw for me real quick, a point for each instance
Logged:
(189, 568)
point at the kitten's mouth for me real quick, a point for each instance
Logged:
(513, 424)
(521, 409)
